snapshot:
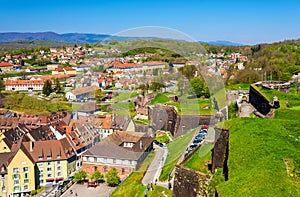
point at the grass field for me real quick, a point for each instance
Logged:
(176, 148)
(159, 98)
(258, 149)
(123, 106)
(238, 87)
(132, 186)
(198, 160)
(23, 103)
(193, 106)
(124, 96)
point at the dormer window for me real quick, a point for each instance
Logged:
(58, 156)
(40, 158)
(49, 157)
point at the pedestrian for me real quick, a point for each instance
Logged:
(170, 186)
(155, 181)
(76, 194)
(71, 192)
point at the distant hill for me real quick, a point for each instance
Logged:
(223, 43)
(83, 37)
(66, 38)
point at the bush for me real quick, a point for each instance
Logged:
(33, 192)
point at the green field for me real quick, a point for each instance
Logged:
(241, 86)
(132, 186)
(124, 96)
(199, 159)
(22, 103)
(124, 106)
(258, 151)
(159, 98)
(176, 149)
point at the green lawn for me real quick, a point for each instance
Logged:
(132, 185)
(159, 98)
(124, 96)
(123, 106)
(293, 97)
(193, 106)
(198, 160)
(21, 102)
(176, 148)
(159, 192)
(142, 121)
(238, 87)
(258, 149)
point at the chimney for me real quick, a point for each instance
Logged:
(31, 145)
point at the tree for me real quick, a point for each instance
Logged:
(155, 72)
(198, 88)
(47, 89)
(2, 85)
(112, 177)
(155, 86)
(80, 176)
(188, 71)
(58, 87)
(99, 95)
(97, 176)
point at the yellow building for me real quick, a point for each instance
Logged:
(4, 159)
(4, 144)
(20, 172)
(55, 160)
(71, 72)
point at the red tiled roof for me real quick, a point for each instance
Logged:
(24, 82)
(69, 69)
(5, 64)
(120, 65)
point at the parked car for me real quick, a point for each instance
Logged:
(199, 136)
(204, 127)
(193, 145)
(44, 194)
(54, 193)
(92, 184)
(189, 150)
(197, 141)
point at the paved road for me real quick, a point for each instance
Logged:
(155, 167)
(245, 110)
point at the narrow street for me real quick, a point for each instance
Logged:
(155, 167)
(245, 110)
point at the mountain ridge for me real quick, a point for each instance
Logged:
(82, 38)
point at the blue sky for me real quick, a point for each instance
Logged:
(241, 21)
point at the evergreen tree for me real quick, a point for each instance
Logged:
(47, 89)
(58, 87)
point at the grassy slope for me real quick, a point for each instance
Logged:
(176, 148)
(256, 165)
(132, 185)
(23, 103)
(125, 95)
(193, 107)
(199, 158)
(159, 98)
